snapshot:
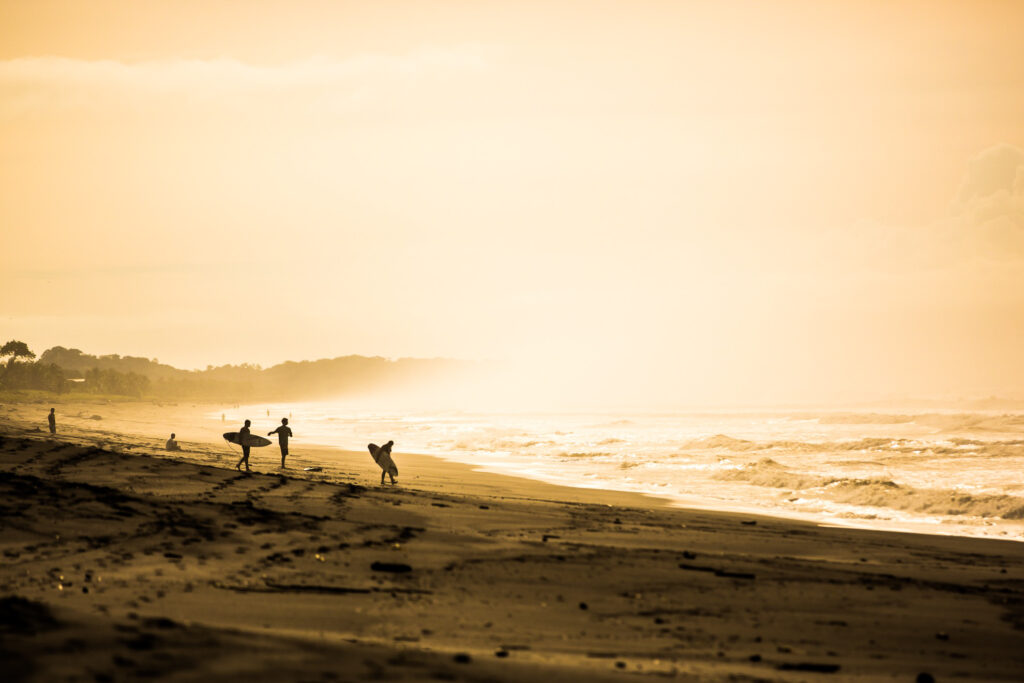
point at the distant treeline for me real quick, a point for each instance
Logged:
(60, 369)
(29, 375)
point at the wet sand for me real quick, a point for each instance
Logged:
(122, 561)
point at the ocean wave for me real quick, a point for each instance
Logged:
(583, 455)
(887, 445)
(886, 494)
(766, 472)
(945, 421)
(864, 419)
(500, 444)
(723, 441)
(878, 493)
(865, 444)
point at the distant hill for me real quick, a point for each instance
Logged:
(303, 380)
(74, 361)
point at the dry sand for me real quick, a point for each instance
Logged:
(121, 561)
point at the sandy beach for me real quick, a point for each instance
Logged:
(692, 329)
(122, 561)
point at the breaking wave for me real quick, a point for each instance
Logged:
(941, 421)
(954, 446)
(723, 441)
(878, 493)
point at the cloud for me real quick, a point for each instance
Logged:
(49, 85)
(997, 169)
(989, 207)
(983, 229)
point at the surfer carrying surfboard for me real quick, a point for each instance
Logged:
(243, 441)
(283, 432)
(382, 456)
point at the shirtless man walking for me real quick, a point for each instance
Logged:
(283, 433)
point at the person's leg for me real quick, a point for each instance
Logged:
(382, 472)
(245, 457)
(284, 454)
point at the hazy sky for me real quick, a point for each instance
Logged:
(653, 202)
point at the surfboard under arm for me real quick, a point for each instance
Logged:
(253, 440)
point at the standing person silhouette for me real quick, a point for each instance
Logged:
(243, 441)
(382, 456)
(52, 419)
(283, 433)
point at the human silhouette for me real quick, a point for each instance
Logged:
(172, 445)
(283, 433)
(243, 441)
(52, 419)
(382, 456)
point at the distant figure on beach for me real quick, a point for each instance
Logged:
(382, 456)
(172, 445)
(222, 417)
(283, 432)
(243, 440)
(52, 419)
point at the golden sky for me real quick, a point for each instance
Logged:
(654, 202)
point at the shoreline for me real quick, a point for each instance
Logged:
(131, 425)
(142, 561)
(126, 430)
